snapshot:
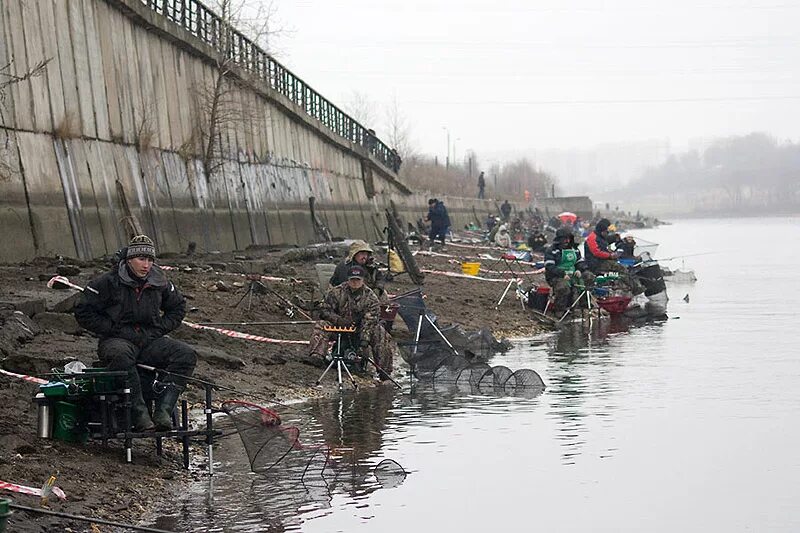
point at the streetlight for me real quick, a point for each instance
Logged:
(447, 158)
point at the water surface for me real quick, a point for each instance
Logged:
(684, 425)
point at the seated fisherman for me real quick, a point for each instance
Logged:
(361, 254)
(132, 308)
(352, 303)
(564, 268)
(601, 259)
(537, 241)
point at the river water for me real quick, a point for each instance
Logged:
(685, 425)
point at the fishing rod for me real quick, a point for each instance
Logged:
(211, 384)
(686, 255)
(287, 302)
(126, 527)
(289, 323)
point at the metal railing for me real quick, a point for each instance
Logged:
(200, 21)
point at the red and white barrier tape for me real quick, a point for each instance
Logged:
(245, 336)
(262, 277)
(487, 271)
(38, 381)
(22, 489)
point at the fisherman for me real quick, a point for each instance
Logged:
(537, 241)
(503, 238)
(132, 308)
(353, 304)
(601, 259)
(505, 209)
(564, 268)
(360, 253)
(439, 219)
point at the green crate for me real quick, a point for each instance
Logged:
(102, 385)
(54, 389)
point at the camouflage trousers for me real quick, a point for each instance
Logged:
(381, 349)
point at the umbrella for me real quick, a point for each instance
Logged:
(568, 217)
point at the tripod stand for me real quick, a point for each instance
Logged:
(338, 356)
(254, 287)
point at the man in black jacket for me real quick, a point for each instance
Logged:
(132, 308)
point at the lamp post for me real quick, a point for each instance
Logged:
(447, 158)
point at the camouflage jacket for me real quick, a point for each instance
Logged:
(343, 306)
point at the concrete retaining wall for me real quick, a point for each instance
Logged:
(114, 119)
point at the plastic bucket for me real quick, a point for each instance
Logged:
(471, 269)
(537, 299)
(67, 426)
(615, 305)
(5, 512)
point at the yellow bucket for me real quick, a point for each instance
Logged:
(471, 269)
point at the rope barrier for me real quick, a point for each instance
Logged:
(245, 336)
(32, 491)
(32, 379)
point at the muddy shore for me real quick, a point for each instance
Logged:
(96, 480)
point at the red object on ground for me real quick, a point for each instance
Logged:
(615, 305)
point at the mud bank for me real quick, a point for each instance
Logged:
(96, 480)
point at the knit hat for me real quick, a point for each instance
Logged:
(141, 246)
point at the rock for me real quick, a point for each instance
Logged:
(28, 306)
(247, 267)
(212, 288)
(10, 444)
(240, 257)
(63, 322)
(68, 270)
(17, 329)
(219, 267)
(222, 286)
(67, 305)
(216, 357)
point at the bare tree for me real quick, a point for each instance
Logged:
(398, 130)
(217, 101)
(362, 109)
(8, 78)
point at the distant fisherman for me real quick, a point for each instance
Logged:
(564, 268)
(601, 259)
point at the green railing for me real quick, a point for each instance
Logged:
(200, 21)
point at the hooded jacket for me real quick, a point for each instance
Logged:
(118, 305)
(374, 279)
(596, 246)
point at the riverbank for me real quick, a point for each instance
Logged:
(97, 481)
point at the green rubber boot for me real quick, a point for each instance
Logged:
(139, 414)
(165, 404)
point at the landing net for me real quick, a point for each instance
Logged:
(430, 363)
(277, 449)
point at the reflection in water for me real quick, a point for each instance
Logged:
(283, 497)
(581, 371)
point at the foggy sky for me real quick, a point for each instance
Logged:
(528, 75)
